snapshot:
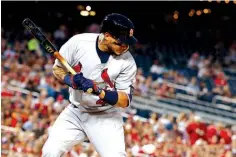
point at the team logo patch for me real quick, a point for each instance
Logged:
(77, 67)
(106, 78)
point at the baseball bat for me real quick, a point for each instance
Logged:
(50, 48)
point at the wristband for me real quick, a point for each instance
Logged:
(111, 97)
(67, 80)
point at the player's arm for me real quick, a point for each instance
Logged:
(64, 76)
(60, 72)
(117, 98)
(124, 85)
(122, 96)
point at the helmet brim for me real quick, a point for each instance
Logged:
(130, 40)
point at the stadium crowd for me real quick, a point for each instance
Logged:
(203, 76)
(26, 117)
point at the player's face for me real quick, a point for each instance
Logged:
(116, 47)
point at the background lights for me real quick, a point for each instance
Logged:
(198, 12)
(88, 8)
(92, 13)
(175, 16)
(84, 13)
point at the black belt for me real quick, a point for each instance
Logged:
(74, 106)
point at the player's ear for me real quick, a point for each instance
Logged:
(107, 35)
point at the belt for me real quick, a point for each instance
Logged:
(74, 106)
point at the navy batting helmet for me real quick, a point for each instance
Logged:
(120, 27)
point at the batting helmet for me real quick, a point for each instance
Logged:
(120, 27)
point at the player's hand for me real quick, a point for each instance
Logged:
(85, 84)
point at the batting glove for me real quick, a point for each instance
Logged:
(85, 84)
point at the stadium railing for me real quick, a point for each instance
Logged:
(174, 107)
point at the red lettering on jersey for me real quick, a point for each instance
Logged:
(77, 67)
(106, 78)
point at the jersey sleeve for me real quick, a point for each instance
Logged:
(126, 79)
(67, 52)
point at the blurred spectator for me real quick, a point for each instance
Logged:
(220, 79)
(60, 35)
(157, 68)
(196, 130)
(193, 61)
(146, 86)
(162, 92)
(204, 67)
(3, 44)
(193, 86)
(33, 44)
(60, 104)
(28, 125)
(203, 90)
(137, 89)
(139, 75)
(93, 28)
(9, 52)
(48, 66)
(180, 79)
(220, 50)
(231, 56)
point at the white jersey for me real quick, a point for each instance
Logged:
(108, 71)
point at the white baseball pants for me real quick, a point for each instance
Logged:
(104, 130)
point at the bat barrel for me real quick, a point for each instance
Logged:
(28, 23)
(34, 29)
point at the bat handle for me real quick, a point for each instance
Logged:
(90, 90)
(71, 70)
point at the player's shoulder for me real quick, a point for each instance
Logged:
(128, 57)
(85, 37)
(128, 60)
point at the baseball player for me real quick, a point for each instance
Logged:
(104, 64)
